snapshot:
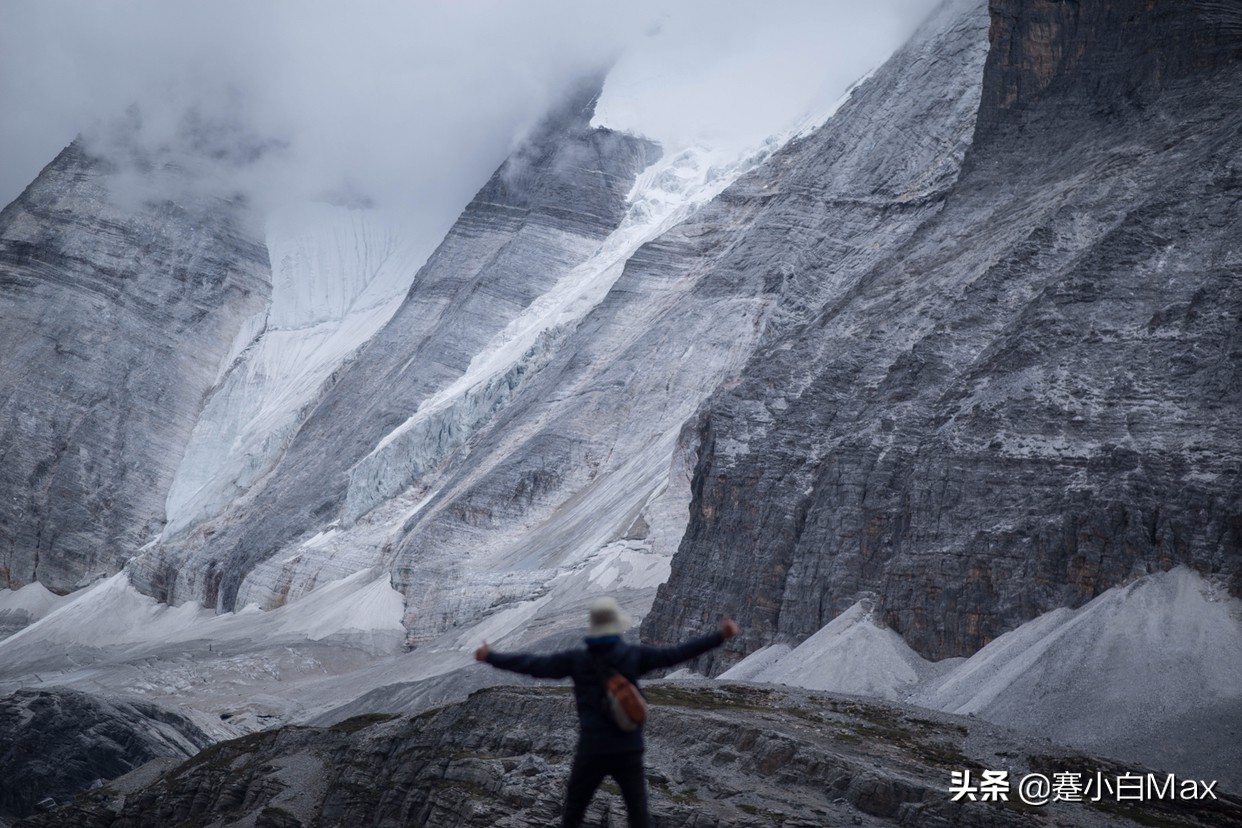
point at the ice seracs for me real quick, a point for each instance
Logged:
(663, 195)
(112, 619)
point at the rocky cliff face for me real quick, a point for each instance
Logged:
(118, 311)
(1033, 397)
(524, 412)
(1100, 59)
(733, 756)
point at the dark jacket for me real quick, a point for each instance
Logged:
(597, 733)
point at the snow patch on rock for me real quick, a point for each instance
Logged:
(33, 598)
(111, 613)
(24, 606)
(1135, 666)
(757, 664)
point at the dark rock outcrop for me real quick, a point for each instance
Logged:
(54, 744)
(118, 309)
(1032, 398)
(727, 756)
(1097, 60)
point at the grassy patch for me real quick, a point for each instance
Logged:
(472, 790)
(723, 698)
(944, 754)
(884, 733)
(960, 730)
(221, 755)
(353, 725)
(690, 796)
(908, 734)
(809, 715)
(754, 810)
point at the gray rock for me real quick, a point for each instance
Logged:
(975, 360)
(733, 755)
(590, 445)
(117, 314)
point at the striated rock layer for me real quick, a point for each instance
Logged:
(118, 309)
(1032, 398)
(731, 756)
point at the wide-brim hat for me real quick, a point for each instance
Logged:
(607, 618)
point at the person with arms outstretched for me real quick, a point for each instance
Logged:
(604, 748)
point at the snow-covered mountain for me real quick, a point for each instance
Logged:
(934, 389)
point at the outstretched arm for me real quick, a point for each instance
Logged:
(653, 658)
(556, 665)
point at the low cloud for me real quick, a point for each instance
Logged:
(729, 75)
(410, 105)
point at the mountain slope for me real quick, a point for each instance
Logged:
(1033, 398)
(118, 309)
(964, 354)
(58, 743)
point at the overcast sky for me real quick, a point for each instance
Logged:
(412, 104)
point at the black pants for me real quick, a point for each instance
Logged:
(588, 771)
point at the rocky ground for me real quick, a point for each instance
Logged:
(56, 743)
(732, 755)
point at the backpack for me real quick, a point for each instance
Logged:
(623, 702)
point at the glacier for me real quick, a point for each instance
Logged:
(338, 275)
(302, 632)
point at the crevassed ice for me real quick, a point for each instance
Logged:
(112, 613)
(663, 195)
